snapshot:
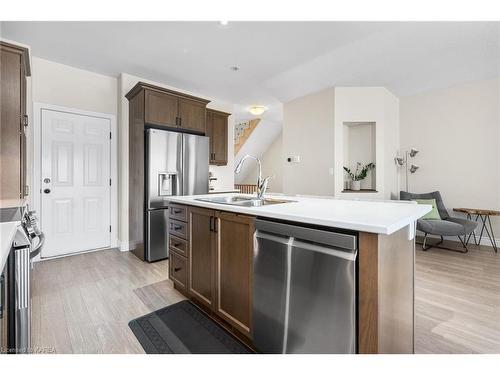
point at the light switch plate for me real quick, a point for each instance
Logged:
(294, 159)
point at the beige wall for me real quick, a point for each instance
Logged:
(308, 131)
(360, 146)
(58, 84)
(369, 104)
(457, 131)
(272, 165)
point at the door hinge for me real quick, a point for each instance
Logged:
(25, 120)
(26, 190)
(109, 135)
(110, 182)
(110, 229)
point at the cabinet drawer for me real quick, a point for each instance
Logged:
(178, 245)
(178, 228)
(178, 212)
(178, 269)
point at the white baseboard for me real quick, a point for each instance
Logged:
(124, 246)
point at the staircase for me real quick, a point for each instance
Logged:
(243, 131)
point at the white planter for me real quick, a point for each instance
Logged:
(356, 185)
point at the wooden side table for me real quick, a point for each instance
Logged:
(484, 216)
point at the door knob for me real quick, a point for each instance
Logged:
(46, 191)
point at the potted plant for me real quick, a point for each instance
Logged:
(359, 174)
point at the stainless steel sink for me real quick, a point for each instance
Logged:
(243, 201)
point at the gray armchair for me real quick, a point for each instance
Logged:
(447, 226)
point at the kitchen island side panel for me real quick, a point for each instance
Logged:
(396, 292)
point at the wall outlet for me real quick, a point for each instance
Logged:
(294, 159)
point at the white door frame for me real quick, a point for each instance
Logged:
(36, 190)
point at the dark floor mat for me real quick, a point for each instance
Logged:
(182, 329)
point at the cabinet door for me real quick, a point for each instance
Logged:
(201, 256)
(219, 139)
(161, 109)
(178, 270)
(234, 244)
(192, 115)
(24, 123)
(10, 125)
(210, 133)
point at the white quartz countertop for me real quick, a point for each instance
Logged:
(383, 217)
(7, 232)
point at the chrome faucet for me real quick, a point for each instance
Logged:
(261, 183)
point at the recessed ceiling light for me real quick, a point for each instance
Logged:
(234, 68)
(257, 110)
(224, 23)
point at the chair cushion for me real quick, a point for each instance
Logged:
(450, 227)
(433, 195)
(469, 225)
(432, 214)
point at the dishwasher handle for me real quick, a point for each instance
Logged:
(272, 237)
(339, 253)
(348, 241)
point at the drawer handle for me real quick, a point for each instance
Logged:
(177, 244)
(177, 269)
(177, 211)
(177, 227)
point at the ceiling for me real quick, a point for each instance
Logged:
(277, 61)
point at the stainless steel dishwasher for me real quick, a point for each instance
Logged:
(304, 289)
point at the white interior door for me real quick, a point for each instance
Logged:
(75, 182)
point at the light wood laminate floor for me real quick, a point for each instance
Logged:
(457, 301)
(83, 303)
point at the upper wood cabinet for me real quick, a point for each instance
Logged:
(171, 109)
(161, 109)
(192, 115)
(15, 67)
(217, 128)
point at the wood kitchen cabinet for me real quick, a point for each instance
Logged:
(220, 265)
(171, 109)
(15, 67)
(234, 253)
(192, 115)
(161, 109)
(217, 128)
(202, 255)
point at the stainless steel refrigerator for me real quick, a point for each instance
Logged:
(176, 164)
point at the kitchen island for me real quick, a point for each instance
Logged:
(212, 256)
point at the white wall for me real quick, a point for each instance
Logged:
(224, 174)
(457, 131)
(272, 165)
(308, 131)
(58, 84)
(369, 104)
(360, 146)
